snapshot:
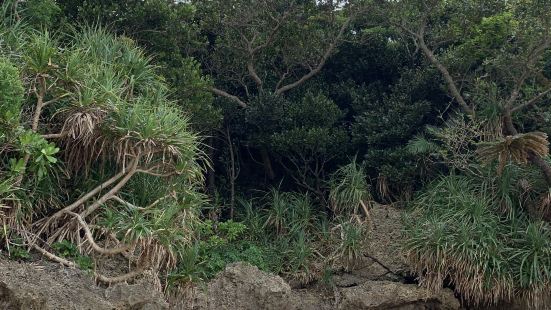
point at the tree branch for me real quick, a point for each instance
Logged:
(114, 190)
(531, 101)
(283, 77)
(124, 202)
(54, 100)
(274, 31)
(91, 194)
(156, 174)
(253, 74)
(330, 49)
(39, 103)
(40, 94)
(93, 243)
(222, 93)
(446, 74)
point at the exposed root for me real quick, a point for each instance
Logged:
(54, 257)
(102, 278)
(122, 278)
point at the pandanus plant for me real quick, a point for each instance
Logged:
(99, 104)
(517, 148)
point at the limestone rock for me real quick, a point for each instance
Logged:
(394, 295)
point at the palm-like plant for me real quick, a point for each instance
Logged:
(99, 98)
(349, 191)
(277, 213)
(517, 148)
(456, 233)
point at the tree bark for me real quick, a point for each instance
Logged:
(222, 93)
(447, 77)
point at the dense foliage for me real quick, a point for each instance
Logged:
(185, 135)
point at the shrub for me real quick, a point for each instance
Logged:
(11, 93)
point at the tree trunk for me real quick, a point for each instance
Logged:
(267, 163)
(232, 174)
(211, 176)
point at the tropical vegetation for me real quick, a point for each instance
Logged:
(180, 136)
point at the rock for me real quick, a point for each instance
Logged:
(384, 259)
(243, 286)
(136, 296)
(394, 295)
(25, 286)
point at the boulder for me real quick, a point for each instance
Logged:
(243, 286)
(372, 295)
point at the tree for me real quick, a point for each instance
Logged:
(168, 30)
(491, 55)
(94, 127)
(273, 48)
(261, 54)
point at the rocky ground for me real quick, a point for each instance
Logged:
(47, 286)
(243, 286)
(379, 282)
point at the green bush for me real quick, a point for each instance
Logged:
(11, 93)
(41, 13)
